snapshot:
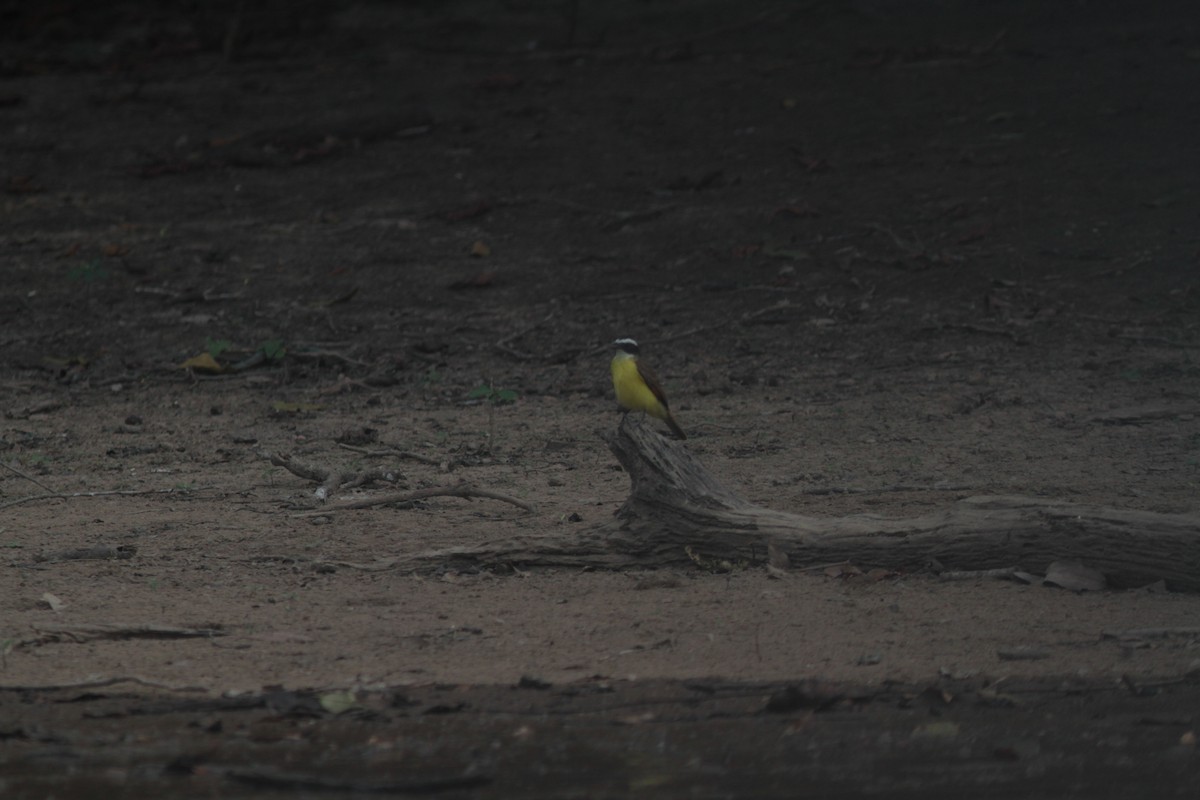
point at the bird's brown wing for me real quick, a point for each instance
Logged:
(652, 383)
(656, 388)
(674, 426)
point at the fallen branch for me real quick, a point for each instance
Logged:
(462, 490)
(675, 503)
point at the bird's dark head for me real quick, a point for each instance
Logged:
(626, 346)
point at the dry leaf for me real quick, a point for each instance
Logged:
(202, 363)
(339, 702)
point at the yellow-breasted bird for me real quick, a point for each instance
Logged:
(637, 386)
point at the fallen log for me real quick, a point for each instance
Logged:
(676, 504)
(678, 514)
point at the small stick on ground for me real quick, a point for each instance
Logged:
(388, 451)
(462, 490)
(26, 476)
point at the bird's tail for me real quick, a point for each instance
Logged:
(674, 426)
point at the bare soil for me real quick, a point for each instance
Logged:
(884, 256)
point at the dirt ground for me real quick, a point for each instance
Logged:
(884, 256)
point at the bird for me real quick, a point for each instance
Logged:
(637, 386)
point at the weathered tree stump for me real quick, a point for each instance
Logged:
(677, 513)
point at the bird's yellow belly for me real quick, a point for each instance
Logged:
(632, 392)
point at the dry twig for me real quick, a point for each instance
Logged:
(462, 490)
(389, 451)
(25, 475)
